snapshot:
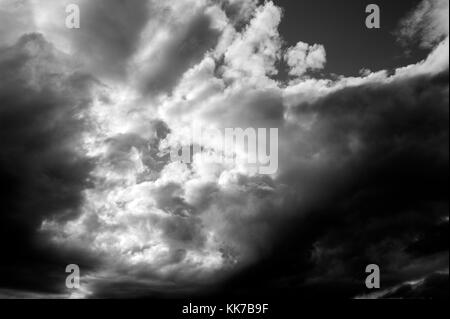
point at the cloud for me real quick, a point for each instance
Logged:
(108, 36)
(176, 54)
(43, 169)
(253, 53)
(434, 286)
(304, 57)
(239, 11)
(15, 19)
(363, 160)
(427, 24)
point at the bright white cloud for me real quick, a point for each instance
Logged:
(304, 57)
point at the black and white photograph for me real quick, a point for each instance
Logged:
(224, 156)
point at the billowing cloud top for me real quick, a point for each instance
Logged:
(88, 117)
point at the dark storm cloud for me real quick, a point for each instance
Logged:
(380, 195)
(41, 173)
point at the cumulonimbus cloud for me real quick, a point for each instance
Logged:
(168, 226)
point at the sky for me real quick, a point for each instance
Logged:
(89, 116)
(339, 26)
